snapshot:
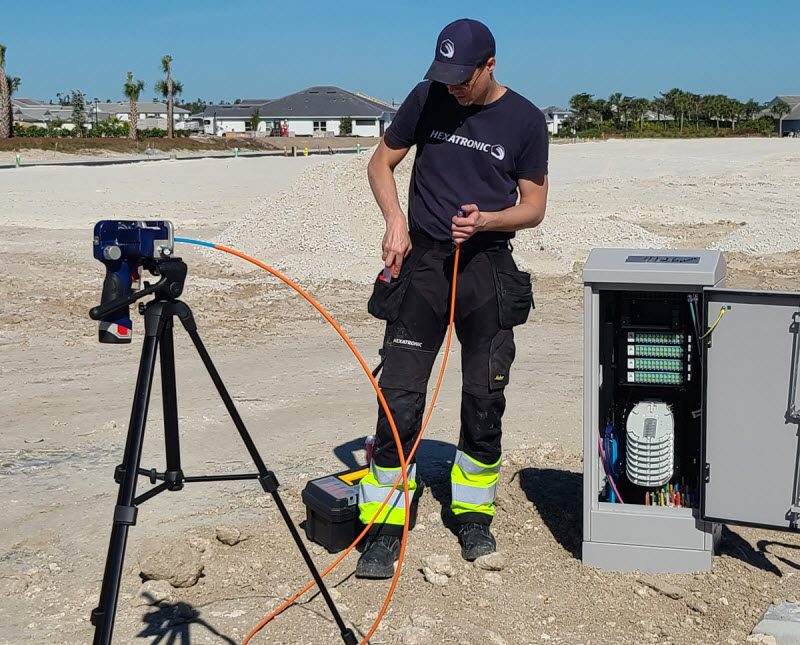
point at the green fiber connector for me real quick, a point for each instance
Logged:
(658, 338)
(658, 378)
(658, 351)
(659, 364)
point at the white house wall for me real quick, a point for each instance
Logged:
(298, 127)
(232, 125)
(301, 126)
(366, 130)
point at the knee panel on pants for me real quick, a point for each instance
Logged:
(481, 425)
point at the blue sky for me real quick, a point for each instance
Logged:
(547, 51)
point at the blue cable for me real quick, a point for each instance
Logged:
(610, 449)
(187, 240)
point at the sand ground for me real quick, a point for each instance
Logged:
(66, 401)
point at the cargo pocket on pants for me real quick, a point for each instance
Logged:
(501, 355)
(387, 297)
(514, 291)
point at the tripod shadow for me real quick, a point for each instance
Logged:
(170, 624)
(735, 546)
(556, 494)
(763, 547)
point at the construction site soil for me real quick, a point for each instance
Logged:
(205, 564)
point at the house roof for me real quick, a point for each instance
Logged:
(227, 110)
(321, 101)
(551, 109)
(24, 102)
(789, 99)
(42, 113)
(378, 102)
(794, 115)
(123, 107)
(793, 101)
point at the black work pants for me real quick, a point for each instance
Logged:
(492, 296)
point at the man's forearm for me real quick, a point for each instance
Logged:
(513, 219)
(384, 189)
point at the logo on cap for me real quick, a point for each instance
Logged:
(447, 48)
(499, 152)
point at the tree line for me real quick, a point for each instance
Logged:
(168, 88)
(684, 109)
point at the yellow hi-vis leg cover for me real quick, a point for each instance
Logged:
(373, 489)
(473, 484)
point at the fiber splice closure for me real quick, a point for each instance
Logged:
(403, 460)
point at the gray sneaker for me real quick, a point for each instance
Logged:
(476, 540)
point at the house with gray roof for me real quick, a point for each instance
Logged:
(150, 114)
(315, 111)
(28, 112)
(791, 121)
(555, 116)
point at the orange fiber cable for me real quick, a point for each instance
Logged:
(403, 460)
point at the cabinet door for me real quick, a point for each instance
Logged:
(751, 423)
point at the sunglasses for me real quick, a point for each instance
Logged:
(472, 78)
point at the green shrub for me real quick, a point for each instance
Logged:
(111, 128)
(158, 133)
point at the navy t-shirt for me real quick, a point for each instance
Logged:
(466, 155)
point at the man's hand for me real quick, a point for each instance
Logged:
(465, 227)
(396, 245)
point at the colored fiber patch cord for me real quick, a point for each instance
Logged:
(403, 461)
(716, 322)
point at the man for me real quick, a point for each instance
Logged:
(479, 175)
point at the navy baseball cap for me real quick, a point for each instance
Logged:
(461, 47)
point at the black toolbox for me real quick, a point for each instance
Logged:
(332, 509)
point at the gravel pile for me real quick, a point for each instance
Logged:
(326, 226)
(762, 237)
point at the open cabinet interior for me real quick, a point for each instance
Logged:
(650, 398)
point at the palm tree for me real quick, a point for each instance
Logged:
(695, 102)
(169, 88)
(582, 105)
(659, 105)
(625, 104)
(132, 89)
(639, 108)
(735, 110)
(715, 104)
(600, 109)
(5, 97)
(750, 108)
(780, 109)
(613, 104)
(13, 86)
(678, 102)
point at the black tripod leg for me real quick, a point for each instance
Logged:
(267, 478)
(125, 511)
(173, 476)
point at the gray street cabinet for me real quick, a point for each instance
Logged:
(691, 413)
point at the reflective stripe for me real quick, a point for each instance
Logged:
(373, 489)
(386, 476)
(472, 466)
(473, 484)
(473, 495)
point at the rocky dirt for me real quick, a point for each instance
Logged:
(205, 564)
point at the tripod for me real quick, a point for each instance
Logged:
(159, 315)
